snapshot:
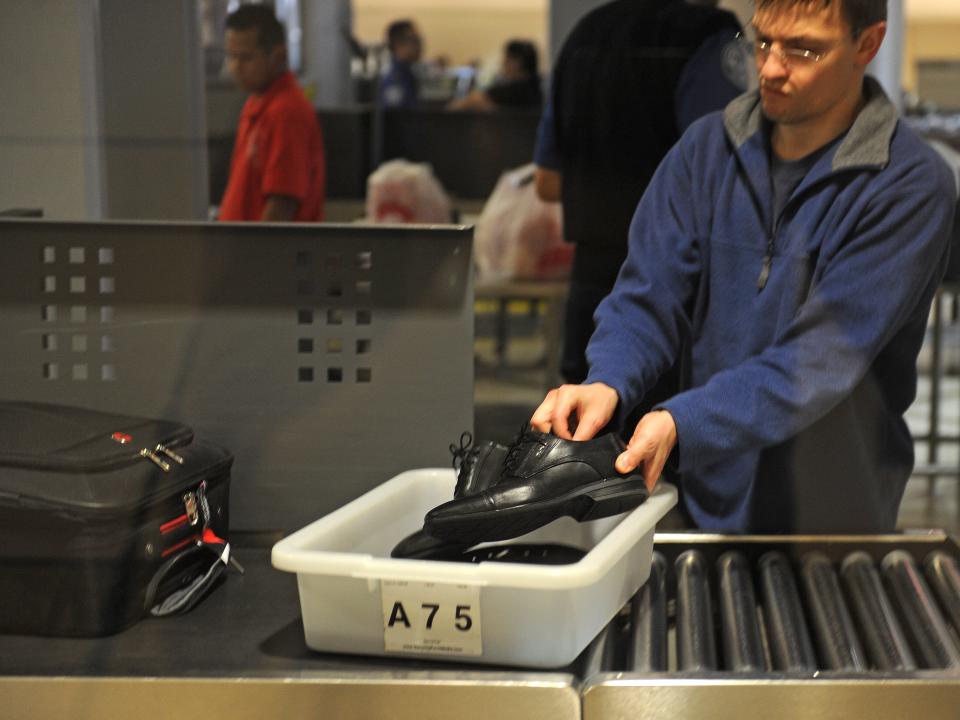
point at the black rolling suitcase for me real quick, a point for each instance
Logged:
(105, 519)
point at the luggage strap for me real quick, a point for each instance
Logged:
(183, 599)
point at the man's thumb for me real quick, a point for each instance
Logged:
(626, 462)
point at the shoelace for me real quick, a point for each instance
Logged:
(464, 458)
(518, 449)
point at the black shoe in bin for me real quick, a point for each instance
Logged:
(544, 477)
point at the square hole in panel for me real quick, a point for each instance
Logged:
(51, 371)
(49, 254)
(108, 373)
(364, 375)
(106, 313)
(106, 343)
(304, 287)
(78, 284)
(105, 256)
(304, 258)
(334, 375)
(106, 286)
(364, 260)
(78, 343)
(363, 346)
(364, 317)
(305, 345)
(79, 371)
(50, 283)
(77, 255)
(334, 260)
(48, 313)
(334, 316)
(334, 345)
(335, 289)
(304, 317)
(364, 288)
(49, 342)
(305, 374)
(78, 313)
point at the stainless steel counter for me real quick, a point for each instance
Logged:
(241, 654)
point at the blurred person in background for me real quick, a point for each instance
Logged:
(399, 86)
(278, 171)
(517, 84)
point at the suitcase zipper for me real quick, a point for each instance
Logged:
(153, 457)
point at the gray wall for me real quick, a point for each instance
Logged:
(154, 124)
(102, 113)
(49, 115)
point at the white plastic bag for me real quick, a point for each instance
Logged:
(400, 191)
(518, 236)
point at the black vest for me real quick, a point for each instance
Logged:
(613, 97)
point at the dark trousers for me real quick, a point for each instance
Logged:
(592, 278)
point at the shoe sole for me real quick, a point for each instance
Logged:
(591, 502)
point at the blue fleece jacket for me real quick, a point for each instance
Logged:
(793, 420)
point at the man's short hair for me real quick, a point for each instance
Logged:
(270, 31)
(525, 53)
(398, 31)
(859, 14)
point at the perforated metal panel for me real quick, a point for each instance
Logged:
(328, 358)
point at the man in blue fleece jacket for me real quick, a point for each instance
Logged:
(792, 245)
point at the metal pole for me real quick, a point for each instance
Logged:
(647, 648)
(742, 645)
(881, 634)
(944, 577)
(696, 643)
(918, 609)
(789, 638)
(837, 640)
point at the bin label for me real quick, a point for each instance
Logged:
(431, 618)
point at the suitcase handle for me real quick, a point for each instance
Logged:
(183, 599)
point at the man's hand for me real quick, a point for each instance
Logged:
(576, 412)
(652, 441)
(548, 184)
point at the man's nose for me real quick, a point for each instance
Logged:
(773, 66)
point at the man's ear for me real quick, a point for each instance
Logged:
(278, 57)
(868, 44)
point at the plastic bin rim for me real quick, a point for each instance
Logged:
(289, 554)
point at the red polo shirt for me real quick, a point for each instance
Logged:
(278, 151)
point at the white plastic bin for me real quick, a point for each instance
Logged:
(356, 599)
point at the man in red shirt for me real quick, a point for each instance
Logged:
(277, 172)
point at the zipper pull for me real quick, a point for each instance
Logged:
(190, 506)
(162, 464)
(764, 272)
(169, 453)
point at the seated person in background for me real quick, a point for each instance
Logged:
(277, 172)
(399, 87)
(517, 83)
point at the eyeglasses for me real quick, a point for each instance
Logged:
(789, 56)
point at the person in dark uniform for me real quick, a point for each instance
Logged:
(517, 84)
(629, 79)
(399, 87)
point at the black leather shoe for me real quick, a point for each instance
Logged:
(421, 545)
(544, 477)
(525, 553)
(478, 468)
